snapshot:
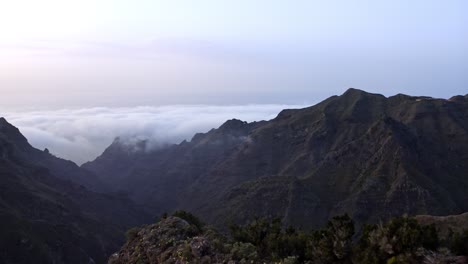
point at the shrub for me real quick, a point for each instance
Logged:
(395, 242)
(332, 244)
(458, 243)
(244, 252)
(190, 218)
(132, 233)
(290, 260)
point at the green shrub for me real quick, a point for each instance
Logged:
(395, 242)
(332, 244)
(190, 218)
(244, 252)
(271, 240)
(132, 233)
(290, 260)
(458, 243)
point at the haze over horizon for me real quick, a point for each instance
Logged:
(62, 54)
(76, 74)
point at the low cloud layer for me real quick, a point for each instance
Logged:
(82, 134)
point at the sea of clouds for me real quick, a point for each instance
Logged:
(81, 135)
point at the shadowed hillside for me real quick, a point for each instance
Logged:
(45, 217)
(359, 153)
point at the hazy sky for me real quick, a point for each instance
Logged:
(56, 53)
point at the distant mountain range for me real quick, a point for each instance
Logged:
(359, 153)
(363, 154)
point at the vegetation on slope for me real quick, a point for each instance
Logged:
(183, 240)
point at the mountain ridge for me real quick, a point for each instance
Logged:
(47, 216)
(357, 152)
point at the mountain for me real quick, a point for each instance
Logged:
(371, 156)
(46, 216)
(60, 168)
(160, 178)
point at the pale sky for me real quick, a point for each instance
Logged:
(119, 53)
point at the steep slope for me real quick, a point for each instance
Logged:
(359, 153)
(364, 154)
(160, 178)
(60, 168)
(48, 219)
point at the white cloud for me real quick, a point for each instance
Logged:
(82, 134)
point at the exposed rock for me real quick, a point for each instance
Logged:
(445, 224)
(172, 240)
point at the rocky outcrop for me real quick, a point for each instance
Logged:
(445, 224)
(172, 240)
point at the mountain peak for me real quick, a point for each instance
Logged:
(3, 121)
(10, 132)
(129, 143)
(233, 124)
(353, 92)
(458, 98)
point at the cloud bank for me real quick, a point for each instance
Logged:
(81, 135)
